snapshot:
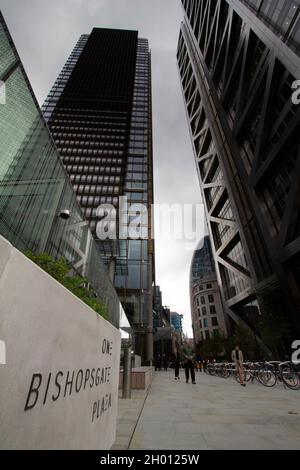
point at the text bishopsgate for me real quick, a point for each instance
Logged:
(58, 385)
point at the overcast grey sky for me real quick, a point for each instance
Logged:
(46, 31)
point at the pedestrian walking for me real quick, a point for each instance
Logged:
(189, 356)
(177, 363)
(238, 358)
(158, 362)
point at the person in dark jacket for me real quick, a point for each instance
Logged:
(189, 357)
(177, 360)
(158, 362)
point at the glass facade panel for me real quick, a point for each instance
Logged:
(7, 53)
(237, 80)
(99, 113)
(202, 263)
(34, 187)
(282, 16)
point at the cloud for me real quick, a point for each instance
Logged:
(45, 33)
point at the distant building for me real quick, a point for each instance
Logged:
(203, 262)
(207, 311)
(208, 317)
(157, 308)
(166, 336)
(166, 316)
(176, 321)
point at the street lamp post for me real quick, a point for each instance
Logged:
(127, 373)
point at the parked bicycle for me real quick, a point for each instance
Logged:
(267, 373)
(287, 373)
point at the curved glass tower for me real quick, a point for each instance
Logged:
(203, 264)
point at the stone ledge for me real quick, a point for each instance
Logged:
(141, 378)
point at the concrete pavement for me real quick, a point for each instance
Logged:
(215, 413)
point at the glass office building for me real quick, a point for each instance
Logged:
(203, 264)
(208, 319)
(281, 16)
(99, 112)
(176, 321)
(38, 207)
(238, 61)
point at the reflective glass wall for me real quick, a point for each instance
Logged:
(282, 16)
(34, 188)
(99, 114)
(137, 279)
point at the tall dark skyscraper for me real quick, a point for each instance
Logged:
(99, 112)
(238, 61)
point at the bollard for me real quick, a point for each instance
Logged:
(127, 373)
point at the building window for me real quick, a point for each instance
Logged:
(212, 309)
(205, 323)
(202, 299)
(214, 321)
(208, 286)
(204, 312)
(200, 323)
(207, 334)
(211, 299)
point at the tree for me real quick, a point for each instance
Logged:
(213, 346)
(245, 340)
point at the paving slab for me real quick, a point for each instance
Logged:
(213, 414)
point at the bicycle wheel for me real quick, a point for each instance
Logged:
(290, 376)
(237, 376)
(247, 375)
(267, 378)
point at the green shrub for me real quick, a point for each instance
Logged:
(61, 270)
